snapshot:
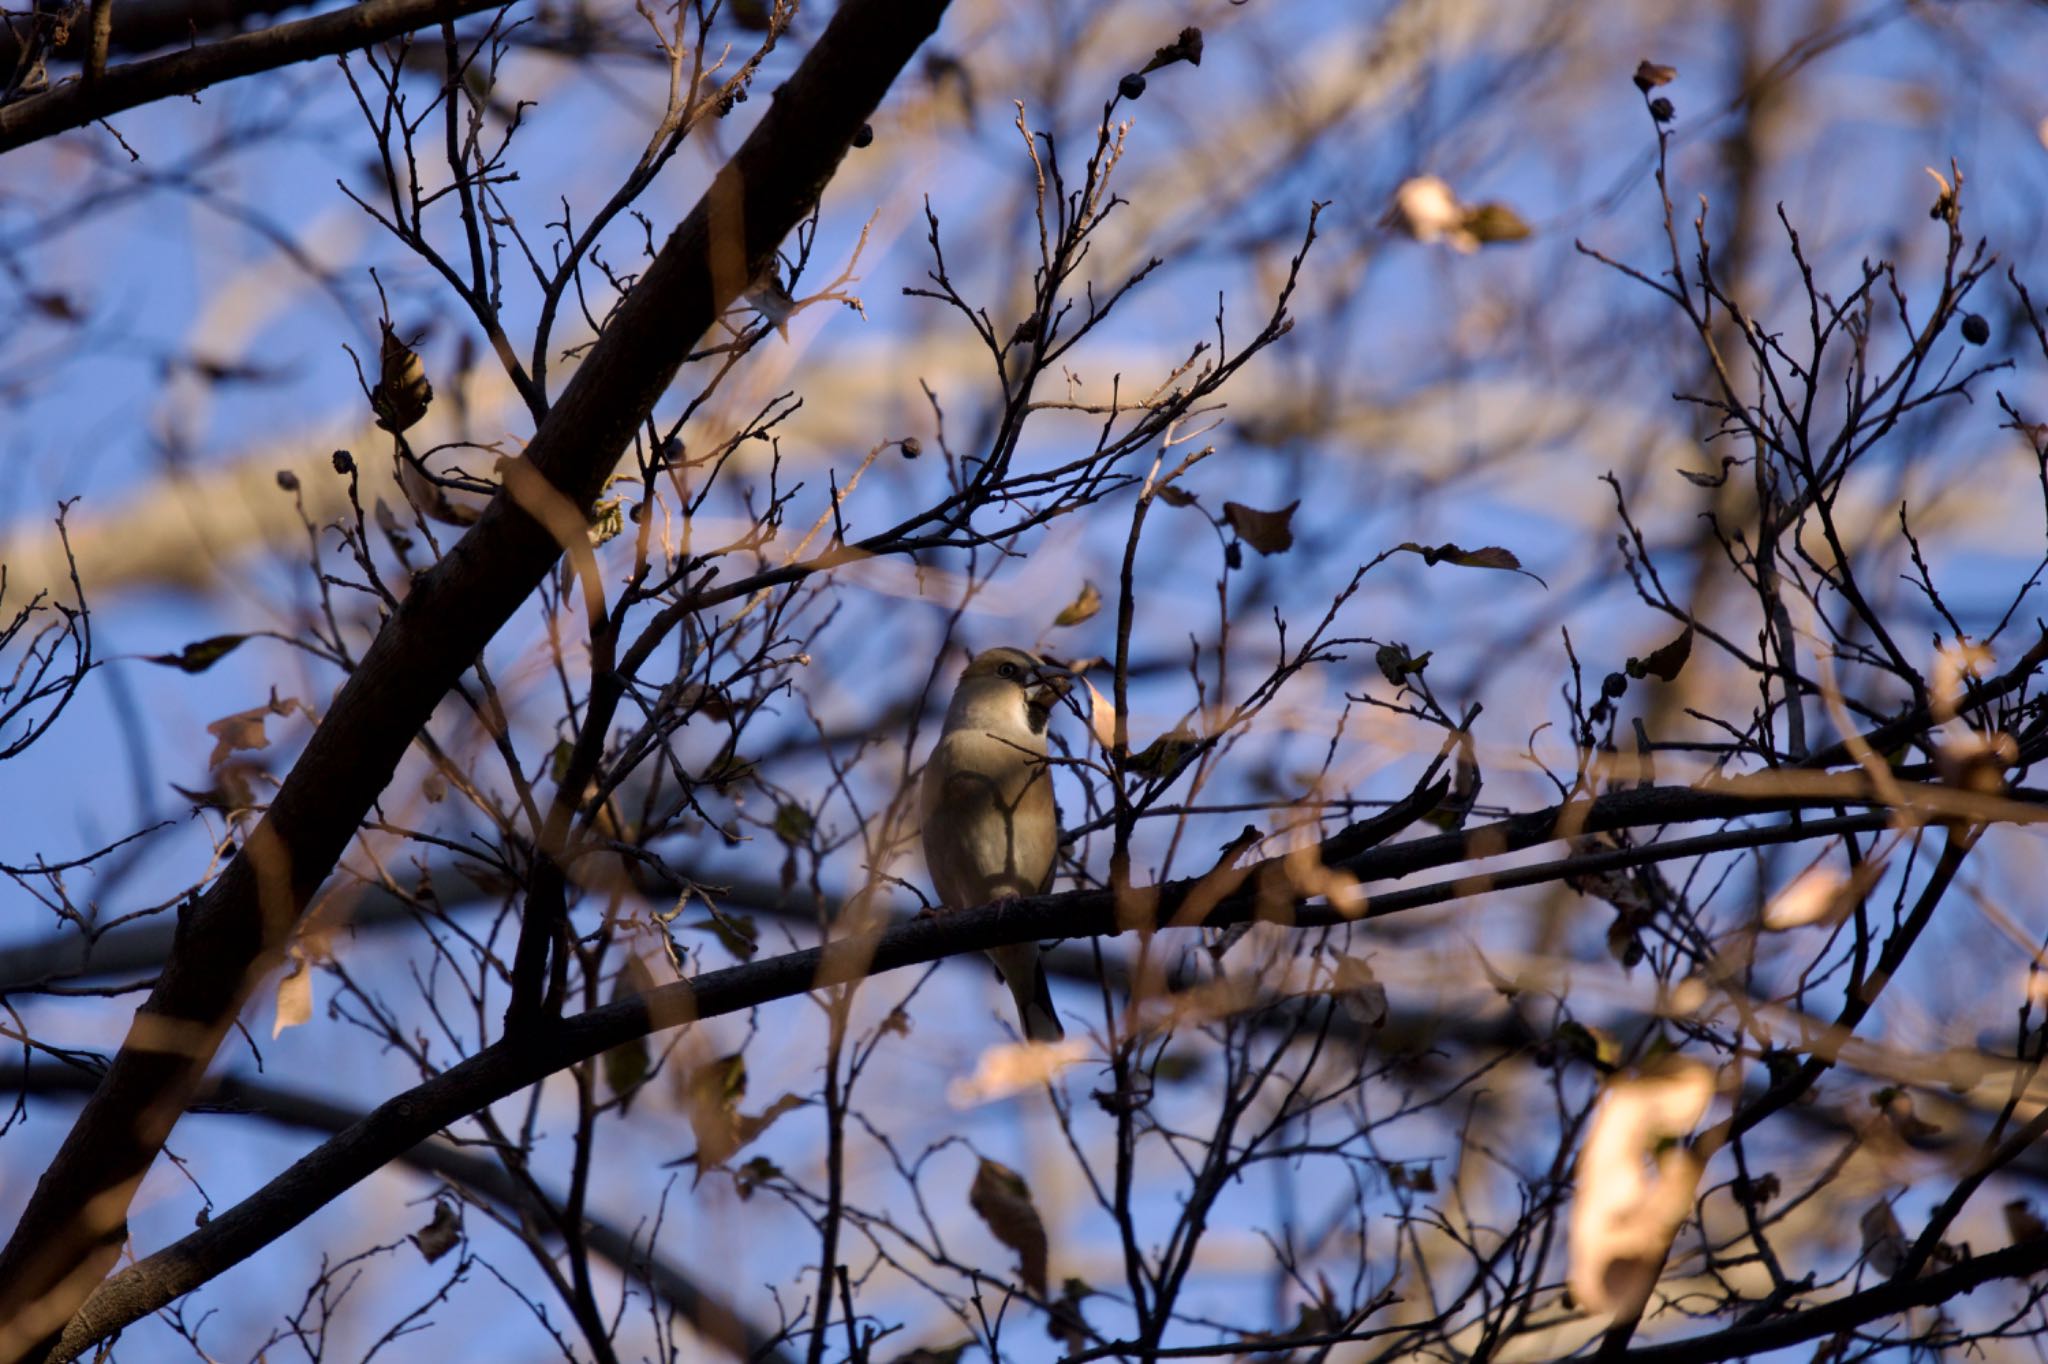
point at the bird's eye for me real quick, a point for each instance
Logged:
(1006, 670)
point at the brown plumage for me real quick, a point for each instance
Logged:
(990, 828)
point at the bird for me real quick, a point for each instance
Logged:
(990, 828)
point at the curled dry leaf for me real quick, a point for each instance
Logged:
(626, 1065)
(1636, 1181)
(1488, 556)
(197, 657)
(2022, 1223)
(1649, 75)
(1268, 532)
(1494, 222)
(1359, 991)
(1101, 717)
(1664, 663)
(244, 729)
(1012, 1067)
(1002, 1199)
(1884, 1240)
(294, 996)
(440, 1235)
(1812, 897)
(402, 393)
(1082, 607)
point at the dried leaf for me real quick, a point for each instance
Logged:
(1884, 1240)
(1427, 210)
(1187, 47)
(1011, 1067)
(1003, 1200)
(626, 1065)
(55, 306)
(2022, 1223)
(736, 933)
(1814, 896)
(1164, 753)
(441, 1235)
(1395, 662)
(1359, 991)
(198, 657)
(1650, 75)
(793, 824)
(244, 729)
(1666, 662)
(431, 500)
(294, 997)
(1173, 495)
(1081, 607)
(1699, 480)
(1489, 223)
(1636, 1182)
(752, 1175)
(402, 393)
(1268, 532)
(1101, 717)
(1490, 556)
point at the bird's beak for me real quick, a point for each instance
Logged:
(1049, 684)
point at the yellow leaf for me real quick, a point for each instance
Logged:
(1011, 1067)
(1081, 607)
(1636, 1182)
(294, 997)
(1101, 717)
(1003, 1200)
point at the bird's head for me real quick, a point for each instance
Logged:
(1010, 684)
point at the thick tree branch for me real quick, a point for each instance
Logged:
(78, 103)
(713, 1317)
(507, 1067)
(75, 1222)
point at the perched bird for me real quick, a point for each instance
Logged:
(990, 829)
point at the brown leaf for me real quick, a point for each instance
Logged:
(294, 997)
(1495, 222)
(1268, 532)
(1003, 1200)
(1173, 495)
(58, 307)
(1354, 986)
(1081, 607)
(1490, 556)
(1650, 75)
(1395, 662)
(199, 656)
(1699, 480)
(626, 1065)
(1664, 663)
(2022, 1223)
(402, 393)
(244, 729)
(1187, 47)
(441, 1235)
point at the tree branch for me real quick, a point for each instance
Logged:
(397, 1125)
(78, 103)
(711, 1316)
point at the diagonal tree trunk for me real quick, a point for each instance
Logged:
(75, 1222)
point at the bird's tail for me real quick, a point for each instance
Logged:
(1034, 1006)
(1024, 973)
